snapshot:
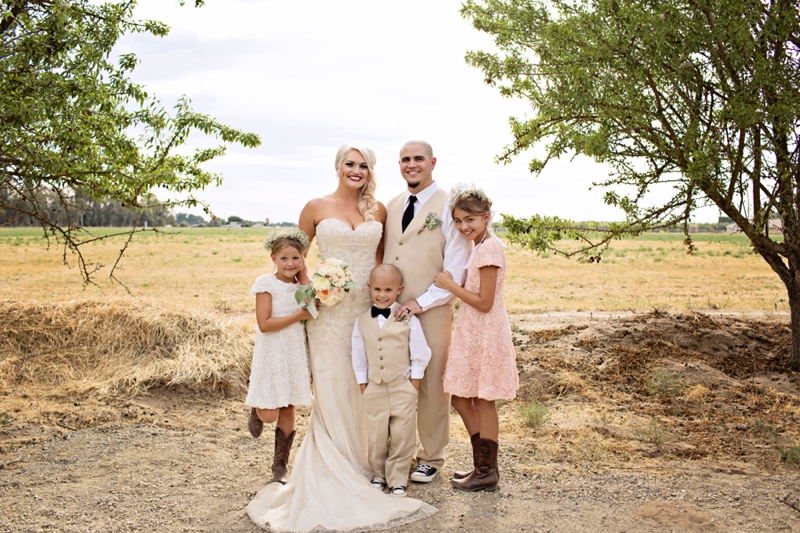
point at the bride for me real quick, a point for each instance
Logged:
(329, 488)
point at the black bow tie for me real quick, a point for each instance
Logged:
(378, 311)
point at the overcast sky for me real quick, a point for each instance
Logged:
(309, 76)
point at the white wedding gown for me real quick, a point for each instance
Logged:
(329, 488)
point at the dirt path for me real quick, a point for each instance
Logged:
(119, 478)
(185, 465)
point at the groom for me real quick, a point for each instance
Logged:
(421, 240)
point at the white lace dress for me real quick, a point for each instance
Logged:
(279, 374)
(329, 489)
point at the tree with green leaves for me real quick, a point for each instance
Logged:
(73, 123)
(697, 98)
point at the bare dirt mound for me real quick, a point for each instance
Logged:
(699, 385)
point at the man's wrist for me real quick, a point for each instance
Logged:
(424, 303)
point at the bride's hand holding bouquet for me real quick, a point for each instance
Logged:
(328, 286)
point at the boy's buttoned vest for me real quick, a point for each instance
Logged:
(387, 348)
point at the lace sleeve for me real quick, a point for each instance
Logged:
(490, 254)
(263, 284)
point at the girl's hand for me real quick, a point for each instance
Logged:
(304, 314)
(444, 280)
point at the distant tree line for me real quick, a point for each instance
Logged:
(77, 209)
(186, 220)
(82, 210)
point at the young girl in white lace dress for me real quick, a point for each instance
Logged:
(279, 375)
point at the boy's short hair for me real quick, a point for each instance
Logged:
(389, 270)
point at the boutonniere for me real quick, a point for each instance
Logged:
(432, 221)
(406, 319)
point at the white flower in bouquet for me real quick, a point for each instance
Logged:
(328, 285)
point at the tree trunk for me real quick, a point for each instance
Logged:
(793, 288)
(788, 273)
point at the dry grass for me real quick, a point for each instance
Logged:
(697, 394)
(568, 382)
(83, 349)
(650, 272)
(212, 269)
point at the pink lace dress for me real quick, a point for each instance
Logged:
(482, 362)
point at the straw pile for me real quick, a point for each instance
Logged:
(94, 348)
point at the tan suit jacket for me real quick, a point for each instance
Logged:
(419, 254)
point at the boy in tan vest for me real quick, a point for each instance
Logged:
(389, 360)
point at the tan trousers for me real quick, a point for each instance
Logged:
(389, 416)
(433, 406)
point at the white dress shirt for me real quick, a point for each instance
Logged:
(418, 346)
(456, 250)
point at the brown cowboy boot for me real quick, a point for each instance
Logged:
(461, 474)
(485, 476)
(283, 446)
(254, 424)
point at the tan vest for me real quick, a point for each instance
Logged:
(418, 252)
(388, 353)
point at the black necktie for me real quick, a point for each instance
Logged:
(378, 311)
(408, 214)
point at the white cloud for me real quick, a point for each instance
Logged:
(309, 76)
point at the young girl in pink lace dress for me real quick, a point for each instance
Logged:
(481, 367)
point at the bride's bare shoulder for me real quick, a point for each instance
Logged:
(315, 206)
(381, 213)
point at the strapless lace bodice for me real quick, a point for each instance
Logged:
(356, 247)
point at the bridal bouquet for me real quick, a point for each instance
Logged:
(328, 285)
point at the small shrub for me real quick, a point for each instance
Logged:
(605, 419)
(765, 431)
(790, 455)
(5, 419)
(534, 414)
(237, 259)
(664, 384)
(655, 433)
(590, 448)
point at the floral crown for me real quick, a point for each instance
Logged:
(290, 233)
(465, 190)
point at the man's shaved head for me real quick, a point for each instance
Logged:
(427, 147)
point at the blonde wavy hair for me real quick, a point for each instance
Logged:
(367, 203)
